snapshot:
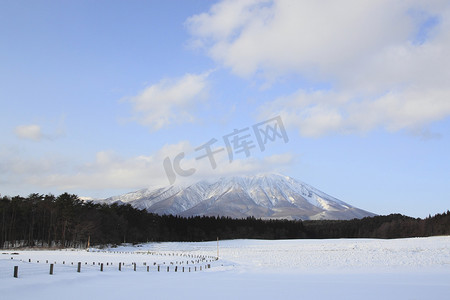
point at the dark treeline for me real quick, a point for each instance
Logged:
(66, 221)
(385, 227)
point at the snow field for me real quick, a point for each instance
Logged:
(417, 268)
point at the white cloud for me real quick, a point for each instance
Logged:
(323, 112)
(170, 101)
(29, 132)
(290, 35)
(111, 172)
(34, 132)
(366, 51)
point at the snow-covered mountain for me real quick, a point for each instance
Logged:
(268, 196)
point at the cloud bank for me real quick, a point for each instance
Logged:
(111, 171)
(385, 64)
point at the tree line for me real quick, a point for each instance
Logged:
(385, 227)
(66, 221)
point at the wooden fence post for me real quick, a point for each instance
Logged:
(148, 268)
(168, 268)
(120, 266)
(51, 269)
(79, 267)
(158, 268)
(16, 271)
(101, 267)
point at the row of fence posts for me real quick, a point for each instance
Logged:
(204, 259)
(16, 269)
(159, 254)
(208, 266)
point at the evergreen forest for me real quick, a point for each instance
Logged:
(66, 221)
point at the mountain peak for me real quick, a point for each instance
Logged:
(266, 195)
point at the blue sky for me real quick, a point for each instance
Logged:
(96, 94)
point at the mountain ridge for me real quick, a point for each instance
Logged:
(266, 196)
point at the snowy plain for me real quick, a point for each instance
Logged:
(416, 268)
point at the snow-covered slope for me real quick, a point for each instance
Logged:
(263, 196)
